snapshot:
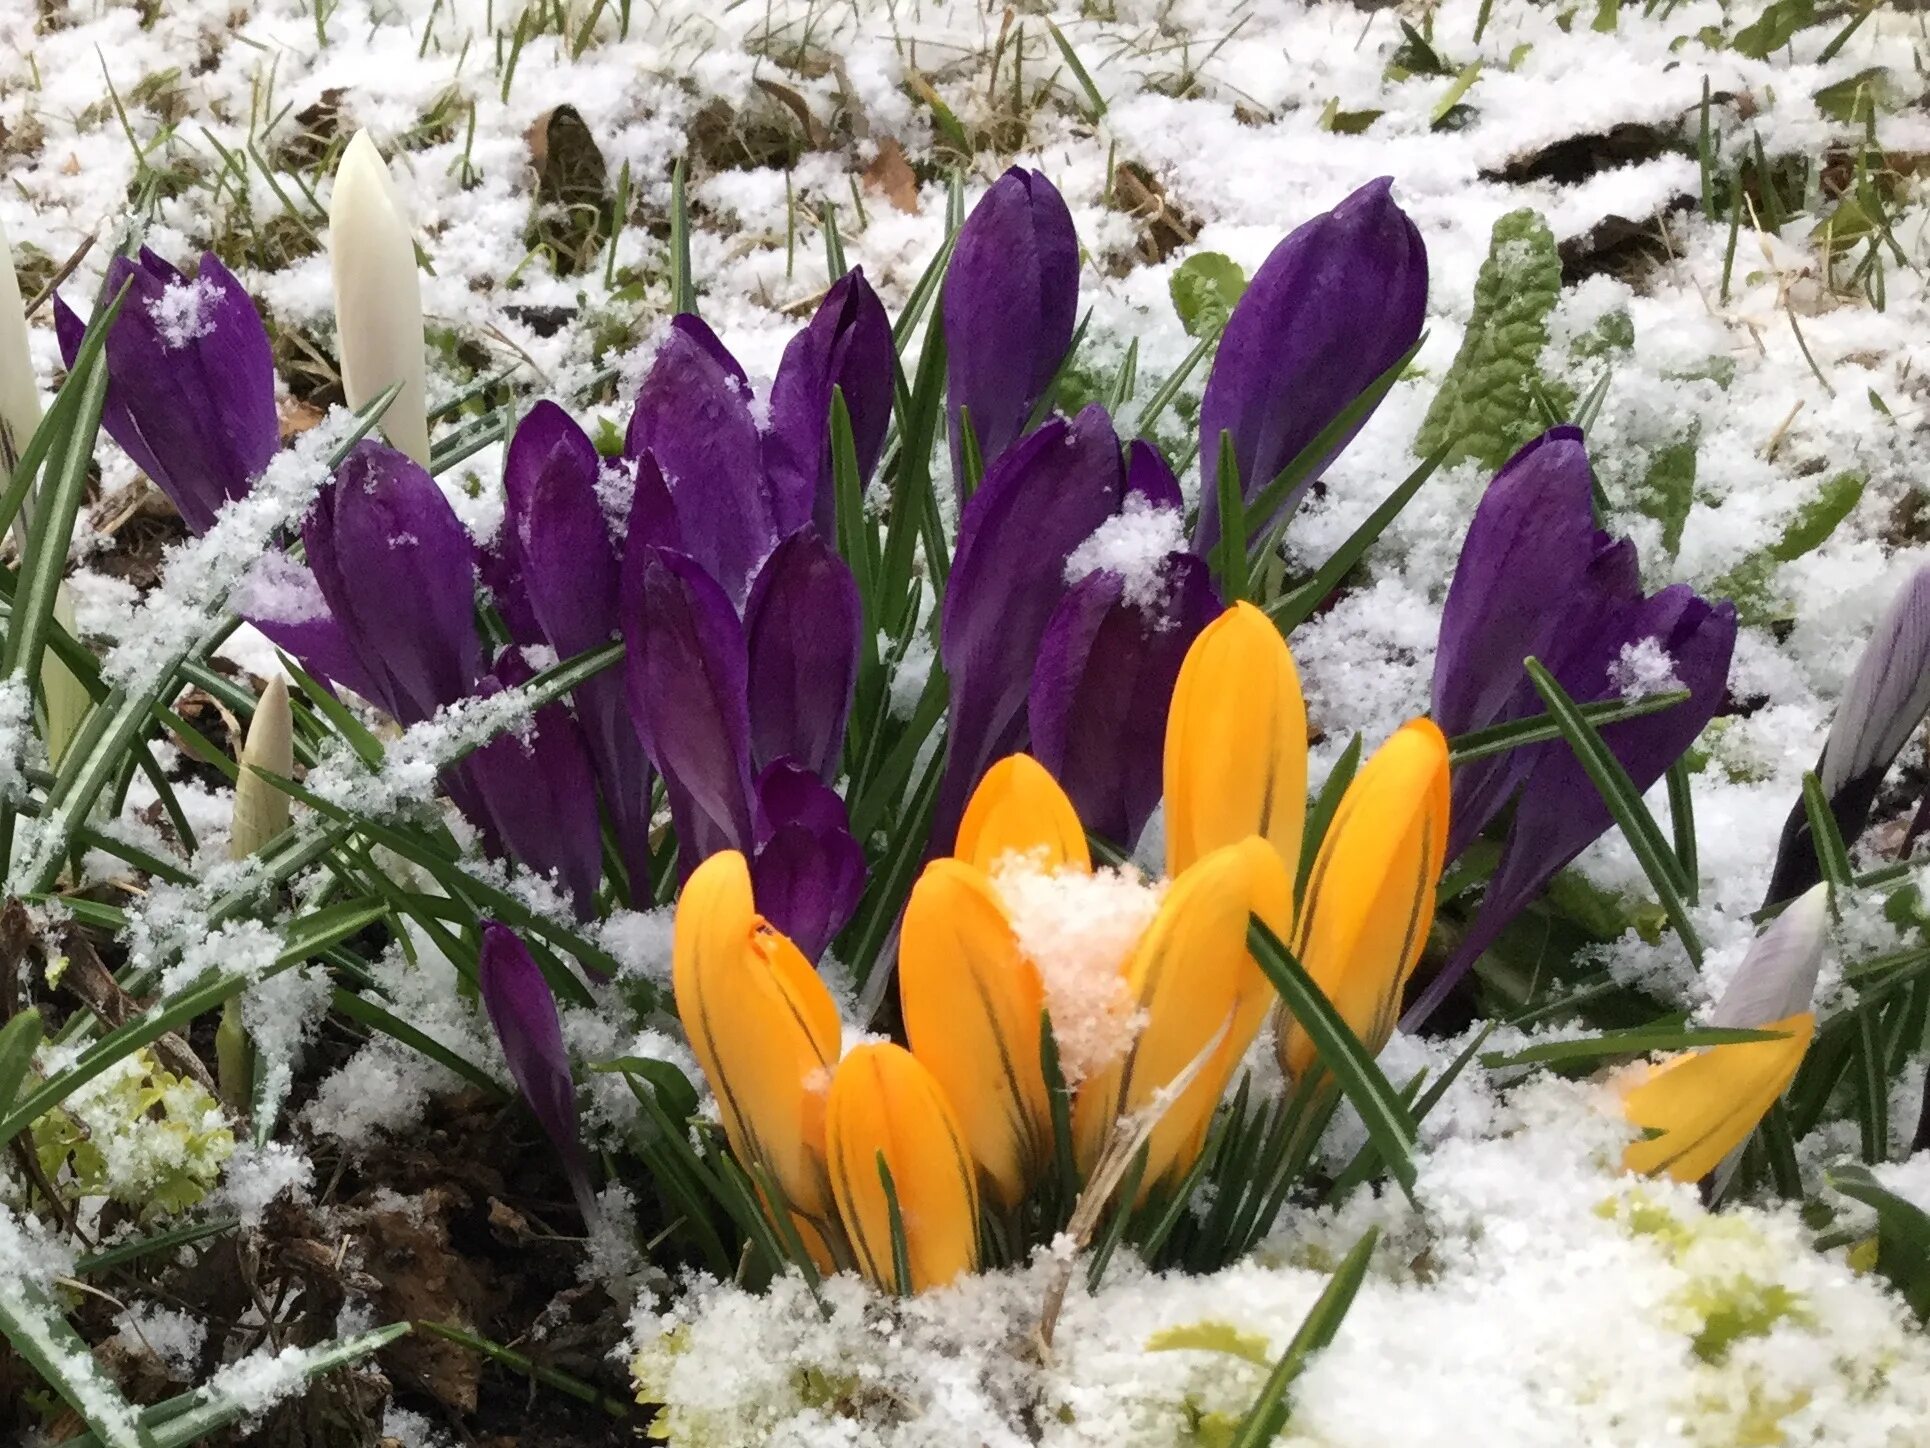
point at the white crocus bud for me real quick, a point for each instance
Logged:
(261, 808)
(19, 396)
(62, 692)
(378, 295)
(1777, 978)
(1886, 697)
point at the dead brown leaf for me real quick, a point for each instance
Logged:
(891, 176)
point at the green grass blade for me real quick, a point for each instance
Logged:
(33, 1324)
(1300, 605)
(1267, 1418)
(1321, 813)
(1630, 1041)
(1540, 728)
(1832, 854)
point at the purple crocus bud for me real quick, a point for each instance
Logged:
(523, 1012)
(191, 381)
(1335, 306)
(537, 791)
(556, 536)
(281, 598)
(847, 345)
(1011, 298)
(1038, 502)
(399, 573)
(1560, 813)
(1150, 479)
(808, 872)
(1104, 679)
(686, 669)
(1886, 698)
(802, 627)
(693, 415)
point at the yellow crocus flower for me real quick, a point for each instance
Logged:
(1019, 808)
(1702, 1105)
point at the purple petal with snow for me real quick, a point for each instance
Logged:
(1332, 308)
(802, 627)
(282, 599)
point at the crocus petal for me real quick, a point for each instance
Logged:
(685, 668)
(1704, 1104)
(19, 394)
(1011, 295)
(1370, 896)
(802, 625)
(1192, 978)
(693, 415)
(191, 381)
(1884, 701)
(1335, 306)
(1102, 687)
(1149, 477)
(378, 295)
(809, 871)
(888, 1114)
(399, 573)
(974, 1009)
(1236, 743)
(847, 345)
(1019, 809)
(281, 598)
(1037, 503)
(539, 789)
(1777, 977)
(763, 1028)
(1560, 813)
(523, 1012)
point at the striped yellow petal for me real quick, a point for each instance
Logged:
(1236, 743)
(886, 1107)
(1019, 808)
(973, 1007)
(762, 1026)
(1704, 1104)
(1190, 976)
(1370, 895)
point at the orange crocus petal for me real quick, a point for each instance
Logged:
(1019, 808)
(1190, 975)
(973, 1009)
(886, 1107)
(1236, 743)
(762, 1026)
(1370, 895)
(1703, 1105)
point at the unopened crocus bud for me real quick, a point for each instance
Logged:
(523, 1012)
(261, 806)
(1336, 304)
(64, 696)
(809, 871)
(378, 295)
(765, 1031)
(974, 1008)
(1197, 989)
(802, 626)
(1236, 743)
(1020, 809)
(888, 1116)
(1702, 1105)
(1370, 896)
(19, 393)
(1886, 698)
(1777, 977)
(1011, 299)
(190, 381)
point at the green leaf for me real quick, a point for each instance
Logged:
(1633, 1041)
(536, 1372)
(1773, 29)
(1832, 854)
(1667, 490)
(1205, 287)
(1219, 1337)
(1230, 553)
(1321, 813)
(1902, 1234)
(366, 1011)
(1340, 1051)
(683, 286)
(1748, 583)
(19, 1039)
(1267, 1418)
(33, 1324)
(1297, 607)
(1483, 410)
(1538, 728)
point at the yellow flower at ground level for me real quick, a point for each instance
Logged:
(887, 1113)
(1236, 743)
(1193, 980)
(765, 1031)
(1702, 1105)
(1370, 896)
(974, 1012)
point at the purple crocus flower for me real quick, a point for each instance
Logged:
(537, 792)
(847, 345)
(1104, 680)
(191, 381)
(1011, 299)
(1039, 500)
(808, 871)
(801, 626)
(693, 416)
(564, 575)
(1332, 308)
(1150, 478)
(523, 1011)
(1564, 586)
